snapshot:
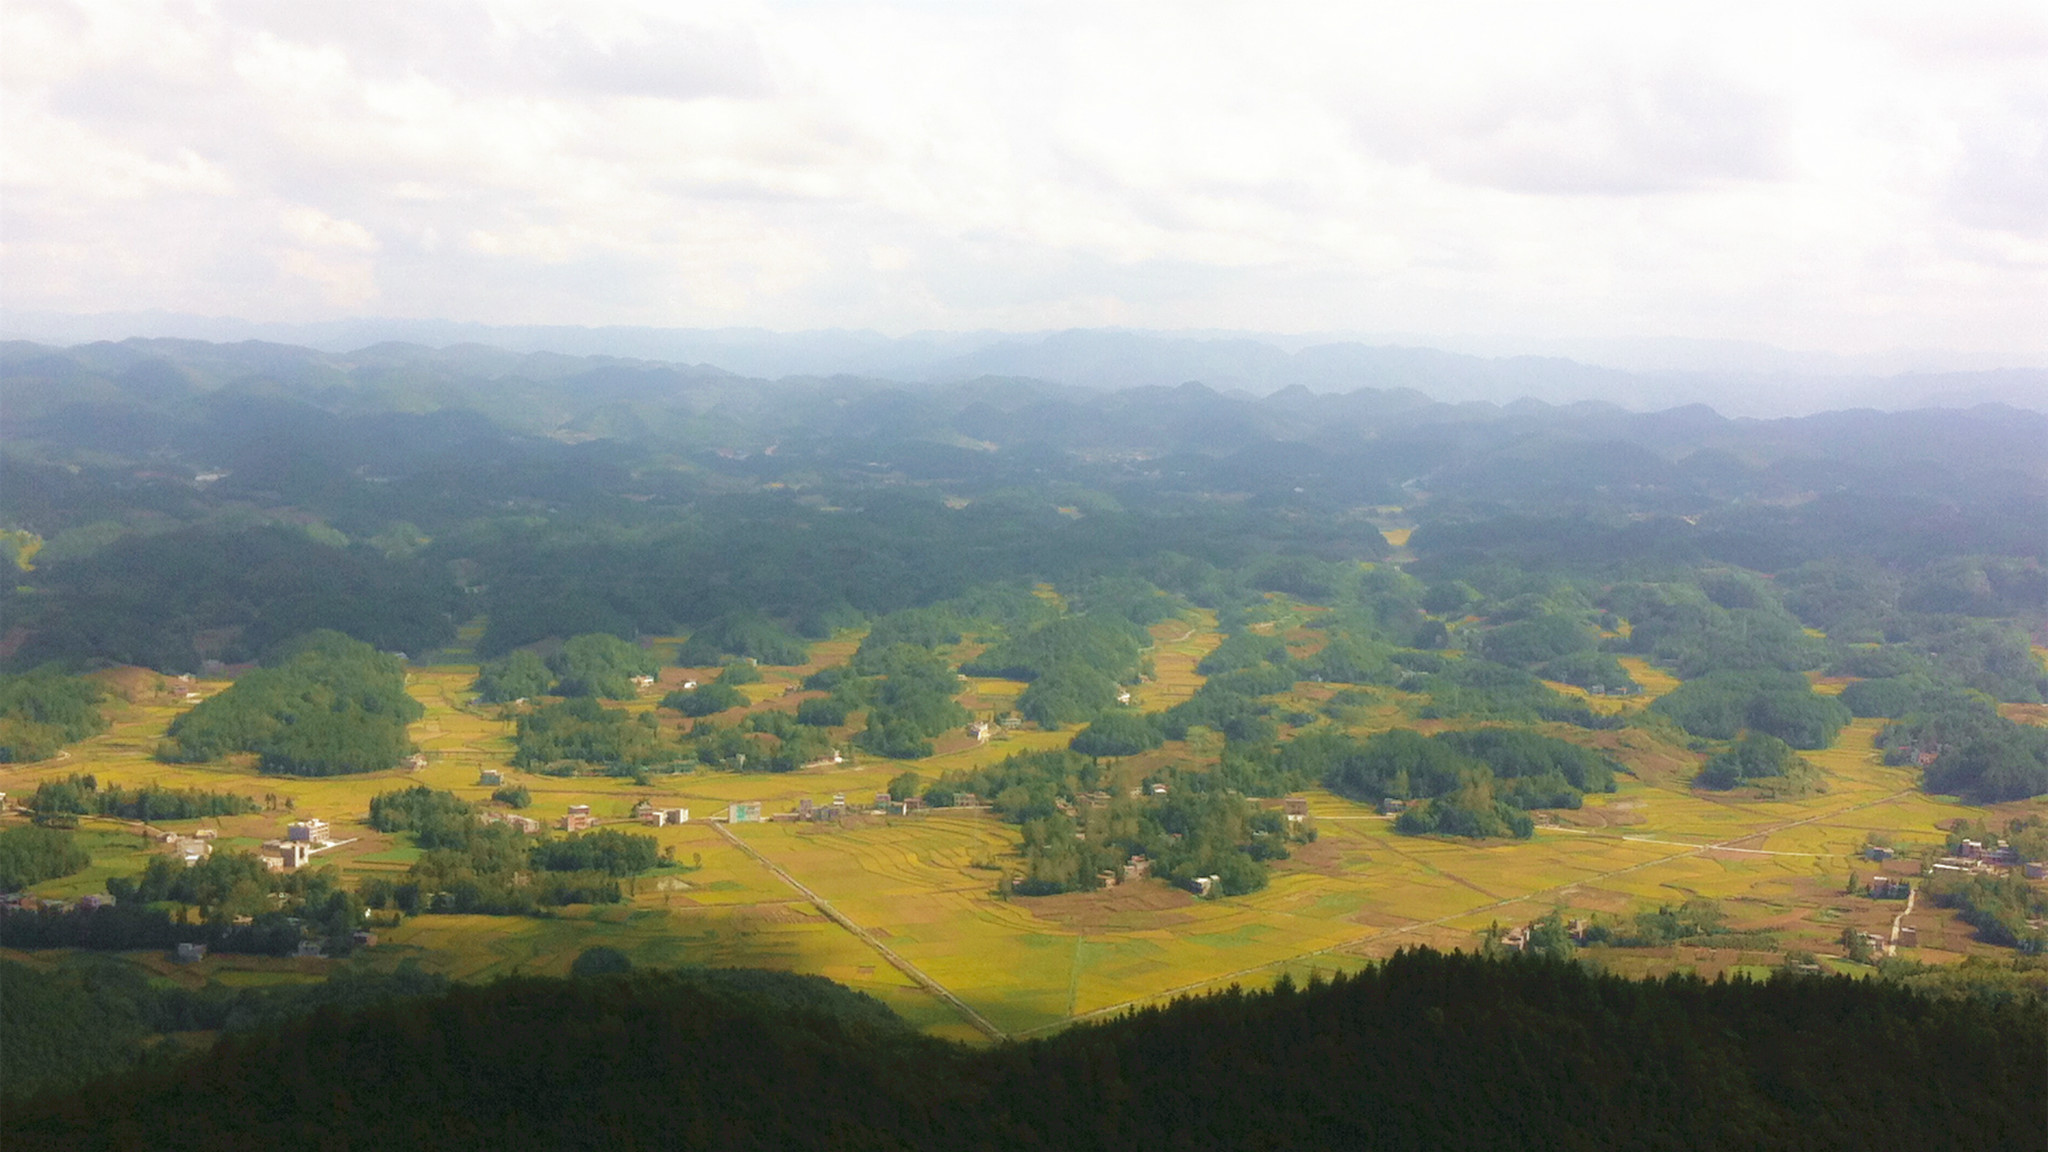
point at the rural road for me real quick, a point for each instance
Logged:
(916, 974)
(1891, 948)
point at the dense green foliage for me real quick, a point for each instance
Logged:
(743, 634)
(82, 795)
(1070, 837)
(911, 703)
(61, 1027)
(167, 601)
(1075, 664)
(1118, 732)
(520, 675)
(1474, 783)
(2005, 910)
(596, 664)
(1425, 1051)
(1483, 690)
(471, 866)
(328, 706)
(1722, 705)
(436, 819)
(705, 699)
(242, 906)
(32, 855)
(568, 735)
(40, 712)
(1967, 748)
(1765, 762)
(605, 850)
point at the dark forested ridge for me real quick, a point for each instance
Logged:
(1423, 1052)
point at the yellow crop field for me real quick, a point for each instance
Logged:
(875, 900)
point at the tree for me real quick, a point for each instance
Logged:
(1118, 732)
(520, 675)
(598, 664)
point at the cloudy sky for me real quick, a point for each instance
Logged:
(1851, 177)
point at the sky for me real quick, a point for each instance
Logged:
(1844, 177)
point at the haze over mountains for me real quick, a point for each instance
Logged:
(1734, 379)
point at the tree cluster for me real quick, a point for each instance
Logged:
(42, 711)
(1422, 1051)
(327, 705)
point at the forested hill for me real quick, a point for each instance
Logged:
(1424, 1052)
(170, 501)
(479, 423)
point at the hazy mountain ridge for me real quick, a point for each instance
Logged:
(1737, 379)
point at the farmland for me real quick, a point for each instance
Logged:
(924, 886)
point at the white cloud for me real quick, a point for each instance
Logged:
(1845, 176)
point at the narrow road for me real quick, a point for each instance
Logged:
(1891, 947)
(1695, 849)
(840, 918)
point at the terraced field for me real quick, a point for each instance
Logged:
(924, 887)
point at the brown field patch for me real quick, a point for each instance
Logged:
(1124, 908)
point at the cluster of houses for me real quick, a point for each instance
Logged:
(1516, 939)
(301, 839)
(1617, 690)
(1136, 868)
(1996, 859)
(189, 849)
(512, 820)
(649, 814)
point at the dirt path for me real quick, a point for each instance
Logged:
(1891, 947)
(916, 974)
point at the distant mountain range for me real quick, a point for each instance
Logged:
(1734, 379)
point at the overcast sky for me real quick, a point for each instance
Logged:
(1851, 177)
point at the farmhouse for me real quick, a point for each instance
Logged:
(1296, 808)
(191, 953)
(1137, 868)
(309, 830)
(1392, 807)
(491, 777)
(526, 824)
(662, 817)
(577, 819)
(1889, 888)
(744, 812)
(279, 855)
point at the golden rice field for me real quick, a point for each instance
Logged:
(924, 887)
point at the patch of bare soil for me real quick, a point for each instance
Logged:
(1137, 905)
